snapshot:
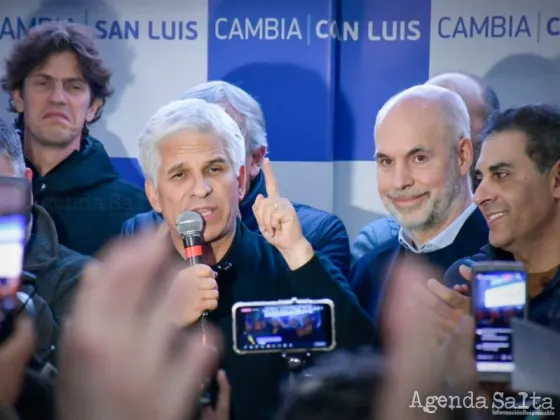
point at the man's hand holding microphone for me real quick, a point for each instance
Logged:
(197, 289)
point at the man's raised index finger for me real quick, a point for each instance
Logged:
(270, 180)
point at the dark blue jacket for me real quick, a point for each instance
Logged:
(324, 231)
(369, 276)
(543, 309)
(86, 198)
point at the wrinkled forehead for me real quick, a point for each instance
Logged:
(506, 147)
(410, 124)
(64, 65)
(192, 147)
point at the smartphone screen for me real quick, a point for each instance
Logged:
(284, 328)
(13, 230)
(499, 296)
(15, 203)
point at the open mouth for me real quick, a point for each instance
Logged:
(494, 216)
(206, 212)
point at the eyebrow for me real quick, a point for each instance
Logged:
(181, 165)
(68, 79)
(495, 168)
(500, 165)
(411, 152)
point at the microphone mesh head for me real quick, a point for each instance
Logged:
(189, 222)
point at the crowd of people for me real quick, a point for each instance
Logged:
(115, 328)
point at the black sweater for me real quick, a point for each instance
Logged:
(258, 272)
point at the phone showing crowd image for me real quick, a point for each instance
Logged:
(293, 326)
(499, 295)
(14, 206)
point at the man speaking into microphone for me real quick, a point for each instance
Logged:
(192, 154)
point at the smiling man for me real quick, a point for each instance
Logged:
(58, 84)
(424, 154)
(519, 195)
(481, 101)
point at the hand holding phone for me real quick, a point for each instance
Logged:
(499, 294)
(14, 209)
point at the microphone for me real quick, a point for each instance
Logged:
(189, 225)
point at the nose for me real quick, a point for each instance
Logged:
(483, 194)
(401, 176)
(58, 95)
(202, 187)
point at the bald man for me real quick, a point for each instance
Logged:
(424, 155)
(481, 102)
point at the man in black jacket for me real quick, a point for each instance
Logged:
(192, 154)
(519, 195)
(323, 230)
(58, 84)
(56, 269)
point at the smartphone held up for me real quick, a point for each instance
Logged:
(285, 326)
(499, 295)
(15, 202)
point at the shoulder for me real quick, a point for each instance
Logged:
(122, 196)
(308, 214)
(384, 248)
(453, 276)
(319, 226)
(126, 189)
(381, 230)
(369, 264)
(140, 221)
(63, 273)
(374, 234)
(71, 260)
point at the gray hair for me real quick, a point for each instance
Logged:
(454, 109)
(196, 114)
(11, 148)
(250, 116)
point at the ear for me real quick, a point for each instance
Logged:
(555, 180)
(258, 155)
(153, 196)
(92, 110)
(17, 100)
(465, 156)
(242, 183)
(29, 174)
(255, 162)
